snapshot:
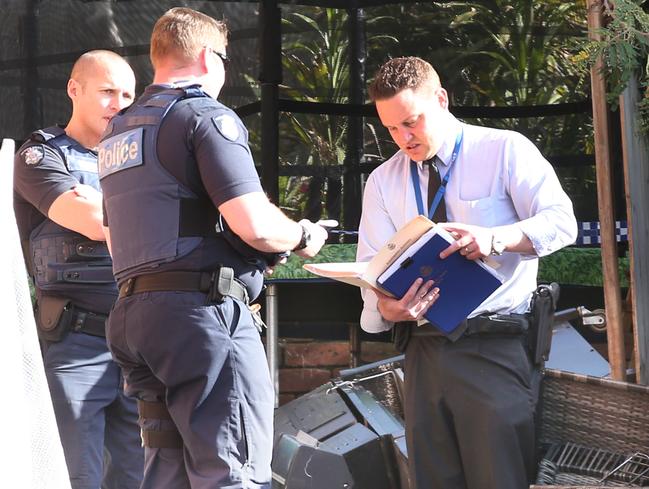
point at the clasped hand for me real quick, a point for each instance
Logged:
(473, 242)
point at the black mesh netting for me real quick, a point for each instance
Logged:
(502, 68)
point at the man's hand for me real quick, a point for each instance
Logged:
(412, 306)
(473, 242)
(318, 237)
(282, 261)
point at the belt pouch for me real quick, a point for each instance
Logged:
(51, 319)
(544, 303)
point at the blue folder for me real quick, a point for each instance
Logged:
(463, 284)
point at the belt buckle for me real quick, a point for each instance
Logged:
(127, 287)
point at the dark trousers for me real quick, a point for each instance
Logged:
(469, 410)
(207, 362)
(97, 422)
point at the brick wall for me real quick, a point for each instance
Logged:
(306, 364)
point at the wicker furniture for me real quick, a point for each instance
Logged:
(577, 409)
(593, 412)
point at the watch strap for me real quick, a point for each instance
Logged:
(304, 240)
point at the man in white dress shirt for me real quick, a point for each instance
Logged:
(469, 402)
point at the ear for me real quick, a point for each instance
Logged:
(73, 88)
(205, 60)
(442, 98)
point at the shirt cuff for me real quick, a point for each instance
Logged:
(373, 322)
(555, 237)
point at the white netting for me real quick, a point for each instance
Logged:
(31, 456)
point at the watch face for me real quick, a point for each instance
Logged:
(306, 237)
(497, 246)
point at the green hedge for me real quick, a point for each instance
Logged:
(570, 266)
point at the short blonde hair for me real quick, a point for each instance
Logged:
(400, 74)
(181, 33)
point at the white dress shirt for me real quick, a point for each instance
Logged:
(499, 178)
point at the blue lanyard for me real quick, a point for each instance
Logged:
(414, 175)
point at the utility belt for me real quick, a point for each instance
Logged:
(535, 325)
(56, 316)
(495, 325)
(217, 285)
(485, 324)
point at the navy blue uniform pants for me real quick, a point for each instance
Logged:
(469, 410)
(97, 422)
(207, 363)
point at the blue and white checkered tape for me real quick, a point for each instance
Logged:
(588, 232)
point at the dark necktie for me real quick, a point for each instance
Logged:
(434, 182)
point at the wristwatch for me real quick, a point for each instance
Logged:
(497, 245)
(304, 240)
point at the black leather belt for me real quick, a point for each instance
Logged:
(82, 321)
(485, 324)
(216, 284)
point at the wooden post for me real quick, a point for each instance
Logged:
(636, 181)
(612, 295)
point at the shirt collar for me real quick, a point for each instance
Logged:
(154, 87)
(446, 150)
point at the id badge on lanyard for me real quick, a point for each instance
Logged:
(414, 175)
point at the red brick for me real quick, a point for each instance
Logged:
(316, 354)
(302, 379)
(373, 351)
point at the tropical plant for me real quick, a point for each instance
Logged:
(315, 61)
(316, 69)
(505, 53)
(520, 54)
(489, 52)
(624, 49)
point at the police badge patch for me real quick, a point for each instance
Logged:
(227, 126)
(32, 155)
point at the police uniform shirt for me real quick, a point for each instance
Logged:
(204, 145)
(40, 177)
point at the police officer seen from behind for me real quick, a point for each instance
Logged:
(181, 329)
(469, 402)
(58, 208)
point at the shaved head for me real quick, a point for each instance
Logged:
(101, 83)
(91, 62)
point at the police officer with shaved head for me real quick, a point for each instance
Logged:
(174, 167)
(59, 215)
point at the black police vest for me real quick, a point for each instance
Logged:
(63, 262)
(153, 218)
